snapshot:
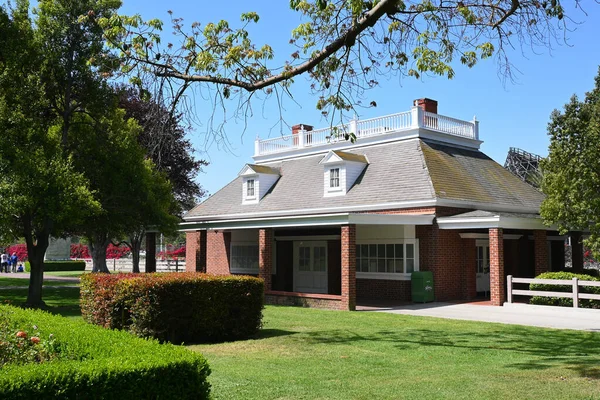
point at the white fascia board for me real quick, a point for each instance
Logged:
(486, 236)
(331, 158)
(391, 219)
(325, 210)
(485, 206)
(492, 222)
(247, 171)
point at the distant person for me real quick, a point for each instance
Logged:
(4, 262)
(20, 269)
(14, 259)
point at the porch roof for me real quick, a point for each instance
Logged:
(311, 221)
(490, 219)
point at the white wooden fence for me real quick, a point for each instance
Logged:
(574, 283)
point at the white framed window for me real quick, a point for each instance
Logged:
(387, 259)
(244, 258)
(334, 178)
(250, 193)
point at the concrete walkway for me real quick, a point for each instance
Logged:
(516, 314)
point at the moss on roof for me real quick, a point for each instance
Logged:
(263, 169)
(351, 156)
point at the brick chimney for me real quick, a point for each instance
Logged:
(426, 104)
(299, 127)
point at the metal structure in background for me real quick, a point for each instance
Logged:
(524, 165)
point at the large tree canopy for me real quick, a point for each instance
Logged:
(343, 45)
(571, 173)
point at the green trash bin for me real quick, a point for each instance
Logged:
(422, 286)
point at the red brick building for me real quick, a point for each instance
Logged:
(328, 222)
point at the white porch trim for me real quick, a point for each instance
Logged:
(311, 220)
(495, 221)
(486, 236)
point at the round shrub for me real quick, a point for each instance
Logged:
(561, 301)
(186, 307)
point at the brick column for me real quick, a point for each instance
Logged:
(349, 267)
(497, 278)
(195, 251)
(540, 252)
(470, 268)
(217, 252)
(265, 256)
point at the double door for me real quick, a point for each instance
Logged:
(483, 267)
(310, 266)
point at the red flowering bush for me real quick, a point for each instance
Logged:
(186, 307)
(171, 254)
(80, 251)
(117, 251)
(19, 249)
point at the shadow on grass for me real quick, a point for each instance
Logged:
(577, 351)
(59, 300)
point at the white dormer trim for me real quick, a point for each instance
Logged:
(256, 182)
(349, 168)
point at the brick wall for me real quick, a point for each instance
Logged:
(540, 252)
(265, 256)
(379, 289)
(290, 300)
(348, 241)
(195, 251)
(217, 252)
(443, 253)
(497, 279)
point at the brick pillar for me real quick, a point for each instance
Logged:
(540, 252)
(217, 252)
(497, 278)
(349, 267)
(265, 256)
(470, 268)
(576, 252)
(151, 252)
(195, 251)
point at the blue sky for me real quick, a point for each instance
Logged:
(510, 114)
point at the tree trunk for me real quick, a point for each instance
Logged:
(135, 245)
(36, 252)
(98, 246)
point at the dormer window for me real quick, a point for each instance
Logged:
(334, 178)
(250, 188)
(257, 181)
(341, 170)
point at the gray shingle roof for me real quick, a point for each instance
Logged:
(410, 170)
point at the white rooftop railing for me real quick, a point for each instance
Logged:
(416, 118)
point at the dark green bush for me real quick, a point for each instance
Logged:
(564, 302)
(101, 364)
(186, 307)
(70, 265)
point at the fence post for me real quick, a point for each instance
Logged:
(177, 264)
(114, 264)
(509, 289)
(575, 293)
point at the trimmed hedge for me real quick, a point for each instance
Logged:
(101, 364)
(185, 307)
(564, 302)
(71, 265)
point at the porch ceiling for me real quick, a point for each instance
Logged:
(312, 220)
(489, 219)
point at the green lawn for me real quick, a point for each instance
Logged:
(313, 354)
(5, 282)
(62, 301)
(65, 273)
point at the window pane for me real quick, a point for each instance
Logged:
(372, 265)
(390, 265)
(364, 251)
(381, 250)
(410, 266)
(399, 251)
(364, 265)
(380, 265)
(372, 250)
(399, 266)
(389, 251)
(410, 250)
